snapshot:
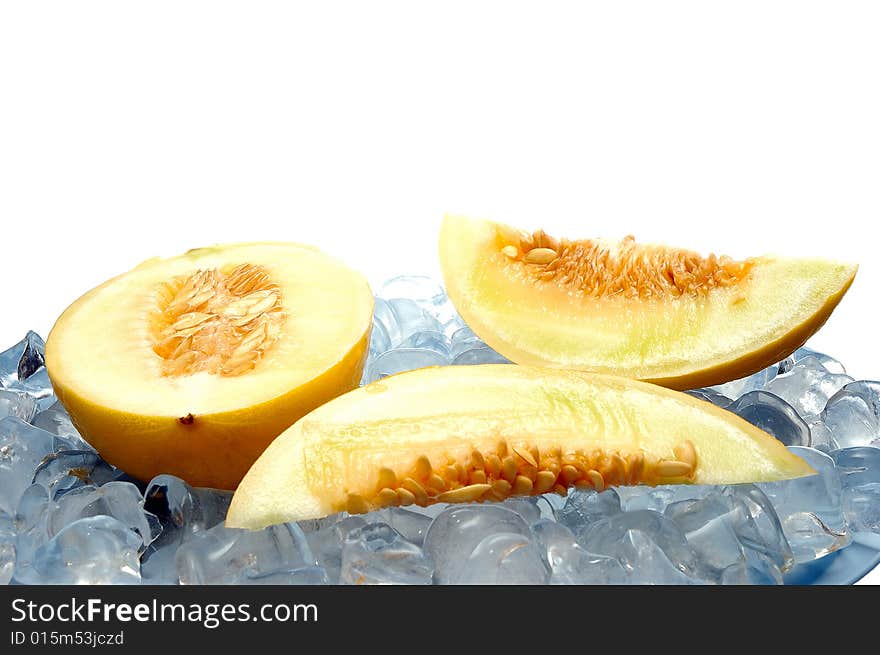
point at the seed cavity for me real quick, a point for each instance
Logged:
(520, 470)
(595, 268)
(219, 321)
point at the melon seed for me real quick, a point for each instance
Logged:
(540, 256)
(464, 494)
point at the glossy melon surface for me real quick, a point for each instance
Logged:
(485, 432)
(654, 313)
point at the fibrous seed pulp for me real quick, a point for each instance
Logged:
(220, 321)
(599, 269)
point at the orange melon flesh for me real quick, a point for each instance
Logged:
(192, 365)
(652, 313)
(451, 434)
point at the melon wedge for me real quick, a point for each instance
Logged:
(481, 433)
(191, 365)
(654, 313)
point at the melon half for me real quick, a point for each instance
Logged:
(192, 365)
(650, 312)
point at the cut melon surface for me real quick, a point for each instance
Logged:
(485, 432)
(653, 313)
(191, 365)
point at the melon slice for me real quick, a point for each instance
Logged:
(478, 433)
(654, 313)
(191, 365)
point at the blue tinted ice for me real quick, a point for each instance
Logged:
(637, 539)
(429, 339)
(828, 363)
(377, 554)
(808, 386)
(413, 526)
(505, 558)
(14, 403)
(7, 548)
(402, 359)
(223, 555)
(569, 563)
(121, 500)
(810, 508)
(774, 416)
(852, 415)
(479, 355)
(66, 469)
(859, 469)
(56, 420)
(756, 382)
(583, 508)
(182, 511)
(22, 360)
(711, 396)
(93, 550)
(325, 538)
(458, 530)
(22, 448)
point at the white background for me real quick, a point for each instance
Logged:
(129, 130)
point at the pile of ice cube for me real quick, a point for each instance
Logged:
(67, 516)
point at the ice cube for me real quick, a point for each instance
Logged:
(709, 527)
(56, 420)
(774, 416)
(455, 533)
(479, 355)
(13, 403)
(384, 315)
(525, 506)
(807, 386)
(820, 436)
(22, 448)
(402, 359)
(852, 415)
(183, 511)
(121, 500)
(7, 548)
(643, 497)
(646, 563)
(309, 575)
(709, 395)
(224, 555)
(505, 558)
(411, 525)
(326, 542)
(411, 318)
(612, 537)
(821, 359)
(93, 550)
(756, 382)
(463, 339)
(569, 563)
(759, 529)
(62, 471)
(38, 387)
(810, 508)
(178, 505)
(377, 554)
(583, 508)
(22, 360)
(859, 470)
(430, 340)
(380, 341)
(754, 570)
(31, 532)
